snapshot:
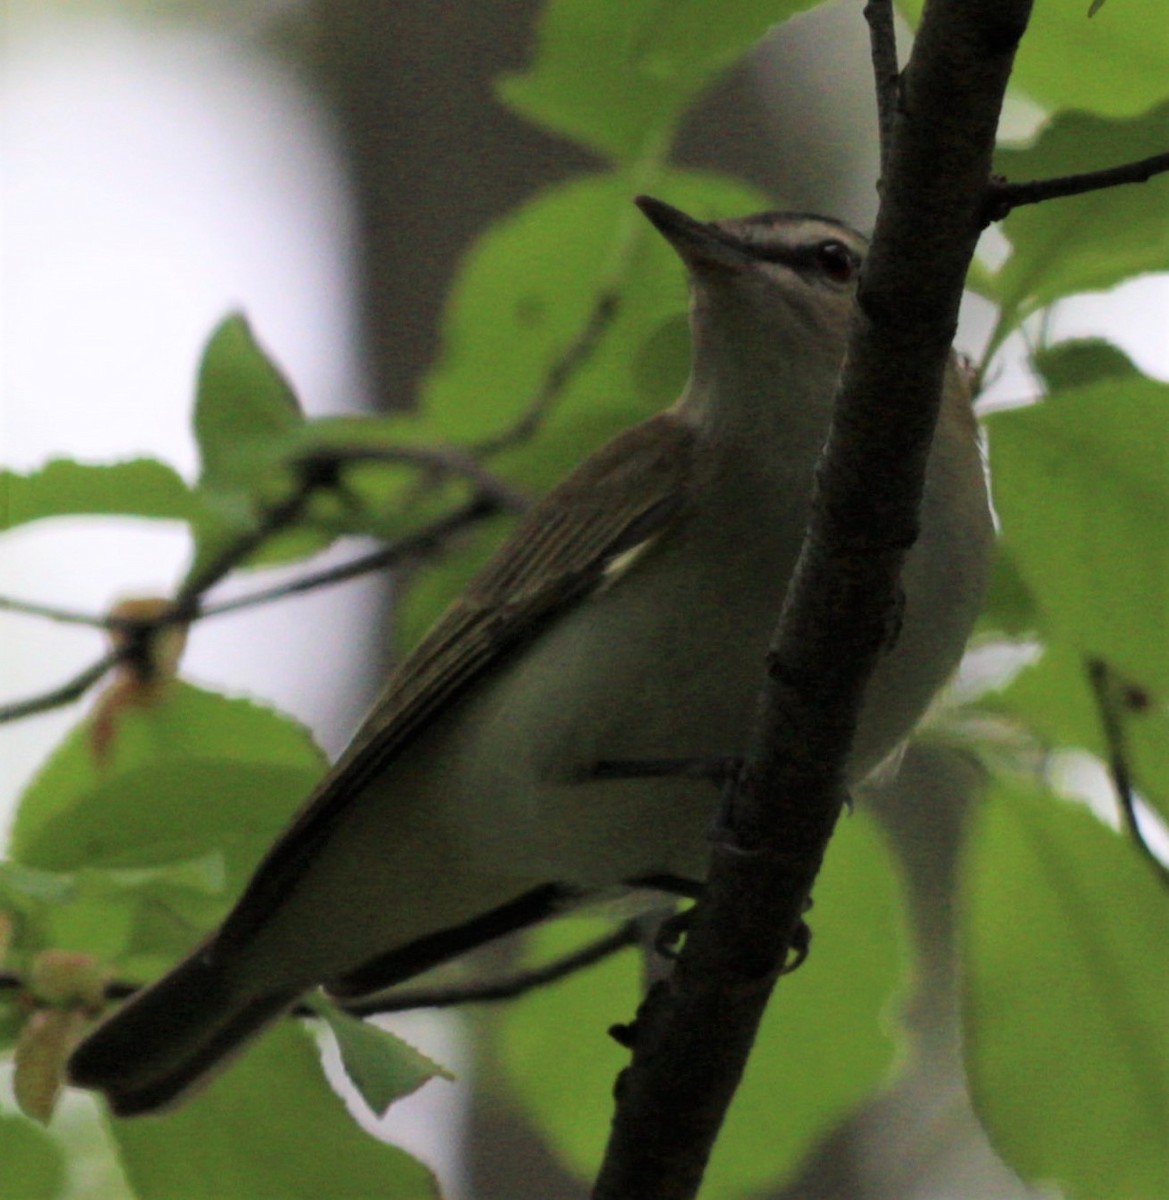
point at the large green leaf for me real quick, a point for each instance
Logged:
(1112, 63)
(617, 75)
(827, 1041)
(1081, 482)
(141, 487)
(34, 1168)
(197, 783)
(138, 918)
(166, 754)
(269, 1129)
(1064, 935)
(1090, 242)
(1080, 361)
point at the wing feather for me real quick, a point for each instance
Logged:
(621, 497)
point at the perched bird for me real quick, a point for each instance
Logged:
(625, 619)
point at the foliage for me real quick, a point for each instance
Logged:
(128, 854)
(1053, 895)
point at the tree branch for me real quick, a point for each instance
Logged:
(275, 518)
(886, 74)
(694, 1032)
(58, 697)
(1003, 196)
(64, 616)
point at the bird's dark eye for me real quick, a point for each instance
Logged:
(837, 261)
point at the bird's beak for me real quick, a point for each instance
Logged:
(703, 247)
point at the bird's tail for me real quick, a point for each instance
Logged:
(171, 1037)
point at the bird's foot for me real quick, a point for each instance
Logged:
(800, 945)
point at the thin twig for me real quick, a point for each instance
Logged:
(506, 988)
(64, 616)
(561, 371)
(67, 692)
(316, 471)
(412, 545)
(272, 521)
(184, 609)
(1103, 683)
(407, 1000)
(886, 73)
(441, 460)
(423, 541)
(321, 469)
(1003, 197)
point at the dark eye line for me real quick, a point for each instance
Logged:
(807, 257)
(777, 254)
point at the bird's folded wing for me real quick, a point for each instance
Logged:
(622, 497)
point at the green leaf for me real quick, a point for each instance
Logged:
(822, 1050)
(141, 487)
(1063, 938)
(382, 1067)
(1009, 606)
(100, 911)
(246, 420)
(193, 781)
(1073, 363)
(243, 402)
(1113, 64)
(1055, 700)
(34, 1167)
(270, 1126)
(521, 298)
(1089, 242)
(617, 75)
(23, 886)
(553, 1050)
(1081, 483)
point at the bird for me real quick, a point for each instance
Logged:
(626, 619)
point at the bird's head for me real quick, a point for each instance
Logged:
(772, 295)
(791, 275)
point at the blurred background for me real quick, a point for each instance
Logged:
(323, 167)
